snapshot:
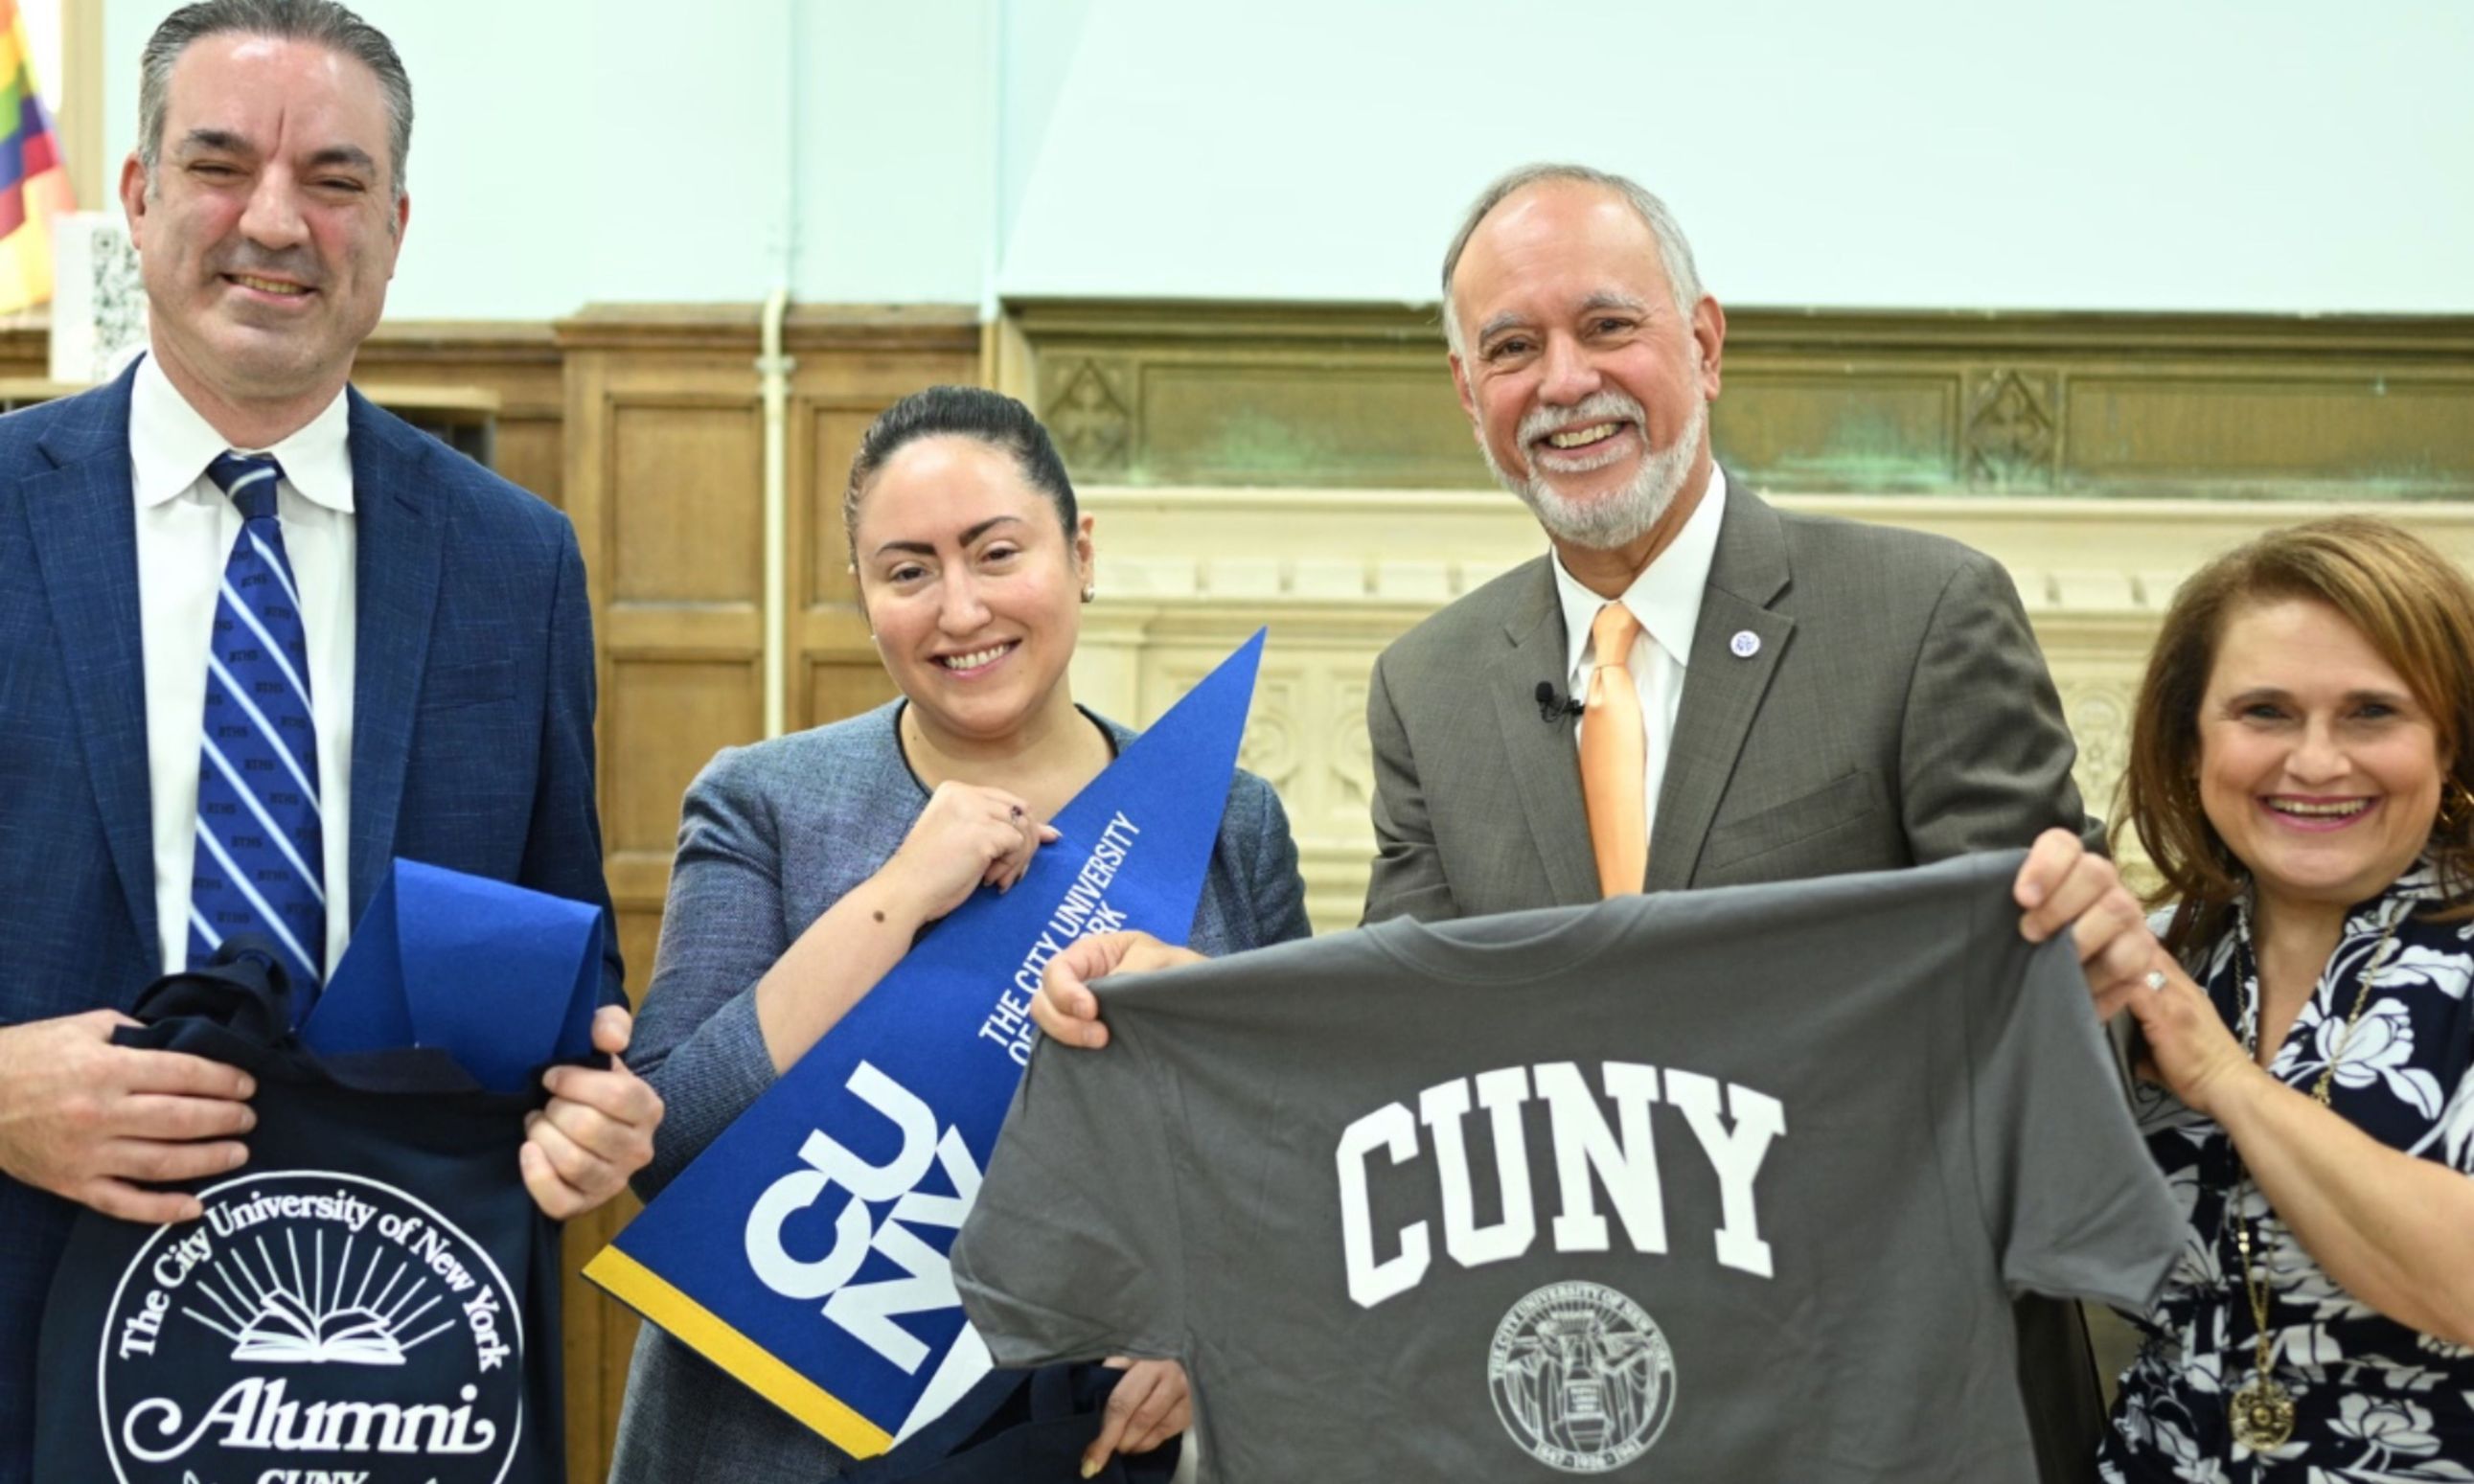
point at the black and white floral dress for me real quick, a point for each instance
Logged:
(2374, 1401)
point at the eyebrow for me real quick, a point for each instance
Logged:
(225, 142)
(1508, 320)
(1609, 299)
(350, 155)
(1603, 299)
(2270, 693)
(970, 537)
(222, 140)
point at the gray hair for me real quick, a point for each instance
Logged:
(1673, 251)
(319, 21)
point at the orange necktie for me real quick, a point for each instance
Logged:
(1614, 755)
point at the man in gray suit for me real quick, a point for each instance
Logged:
(1816, 696)
(1858, 698)
(1819, 696)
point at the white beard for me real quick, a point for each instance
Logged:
(1614, 519)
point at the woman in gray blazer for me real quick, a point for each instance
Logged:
(808, 865)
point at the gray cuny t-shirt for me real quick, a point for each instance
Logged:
(1732, 1184)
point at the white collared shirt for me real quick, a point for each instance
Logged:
(1666, 598)
(186, 530)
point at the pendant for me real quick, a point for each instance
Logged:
(2262, 1414)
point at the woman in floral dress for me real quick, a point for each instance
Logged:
(2302, 778)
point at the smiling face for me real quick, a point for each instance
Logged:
(2318, 767)
(1588, 391)
(269, 228)
(971, 586)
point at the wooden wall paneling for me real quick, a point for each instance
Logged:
(1190, 393)
(2392, 434)
(1801, 426)
(1357, 396)
(685, 492)
(518, 360)
(661, 464)
(839, 671)
(663, 473)
(850, 369)
(677, 540)
(2147, 405)
(25, 347)
(598, 1336)
(1351, 419)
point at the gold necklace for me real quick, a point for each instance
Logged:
(2262, 1409)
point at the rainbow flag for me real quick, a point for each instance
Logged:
(34, 187)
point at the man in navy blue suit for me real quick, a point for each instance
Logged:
(439, 610)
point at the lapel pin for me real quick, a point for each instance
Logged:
(1745, 645)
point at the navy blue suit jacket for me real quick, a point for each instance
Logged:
(472, 743)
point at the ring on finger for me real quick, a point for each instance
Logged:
(2154, 980)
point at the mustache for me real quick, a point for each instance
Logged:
(299, 266)
(1606, 405)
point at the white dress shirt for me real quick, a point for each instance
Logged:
(1666, 598)
(186, 530)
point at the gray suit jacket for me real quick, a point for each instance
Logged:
(1895, 711)
(770, 837)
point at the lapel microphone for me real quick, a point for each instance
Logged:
(1553, 705)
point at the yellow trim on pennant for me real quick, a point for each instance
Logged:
(698, 1327)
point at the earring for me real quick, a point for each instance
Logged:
(2458, 812)
(1090, 593)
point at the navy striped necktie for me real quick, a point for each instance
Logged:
(260, 869)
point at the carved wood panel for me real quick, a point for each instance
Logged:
(1358, 396)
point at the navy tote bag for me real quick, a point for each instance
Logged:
(372, 1297)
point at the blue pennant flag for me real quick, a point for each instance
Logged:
(805, 1251)
(502, 977)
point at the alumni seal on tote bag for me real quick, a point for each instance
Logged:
(372, 1297)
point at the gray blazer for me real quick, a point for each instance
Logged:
(1894, 710)
(769, 838)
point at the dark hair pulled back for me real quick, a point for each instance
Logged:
(973, 412)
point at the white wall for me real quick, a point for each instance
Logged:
(573, 151)
(510, 209)
(2238, 155)
(897, 151)
(2261, 154)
